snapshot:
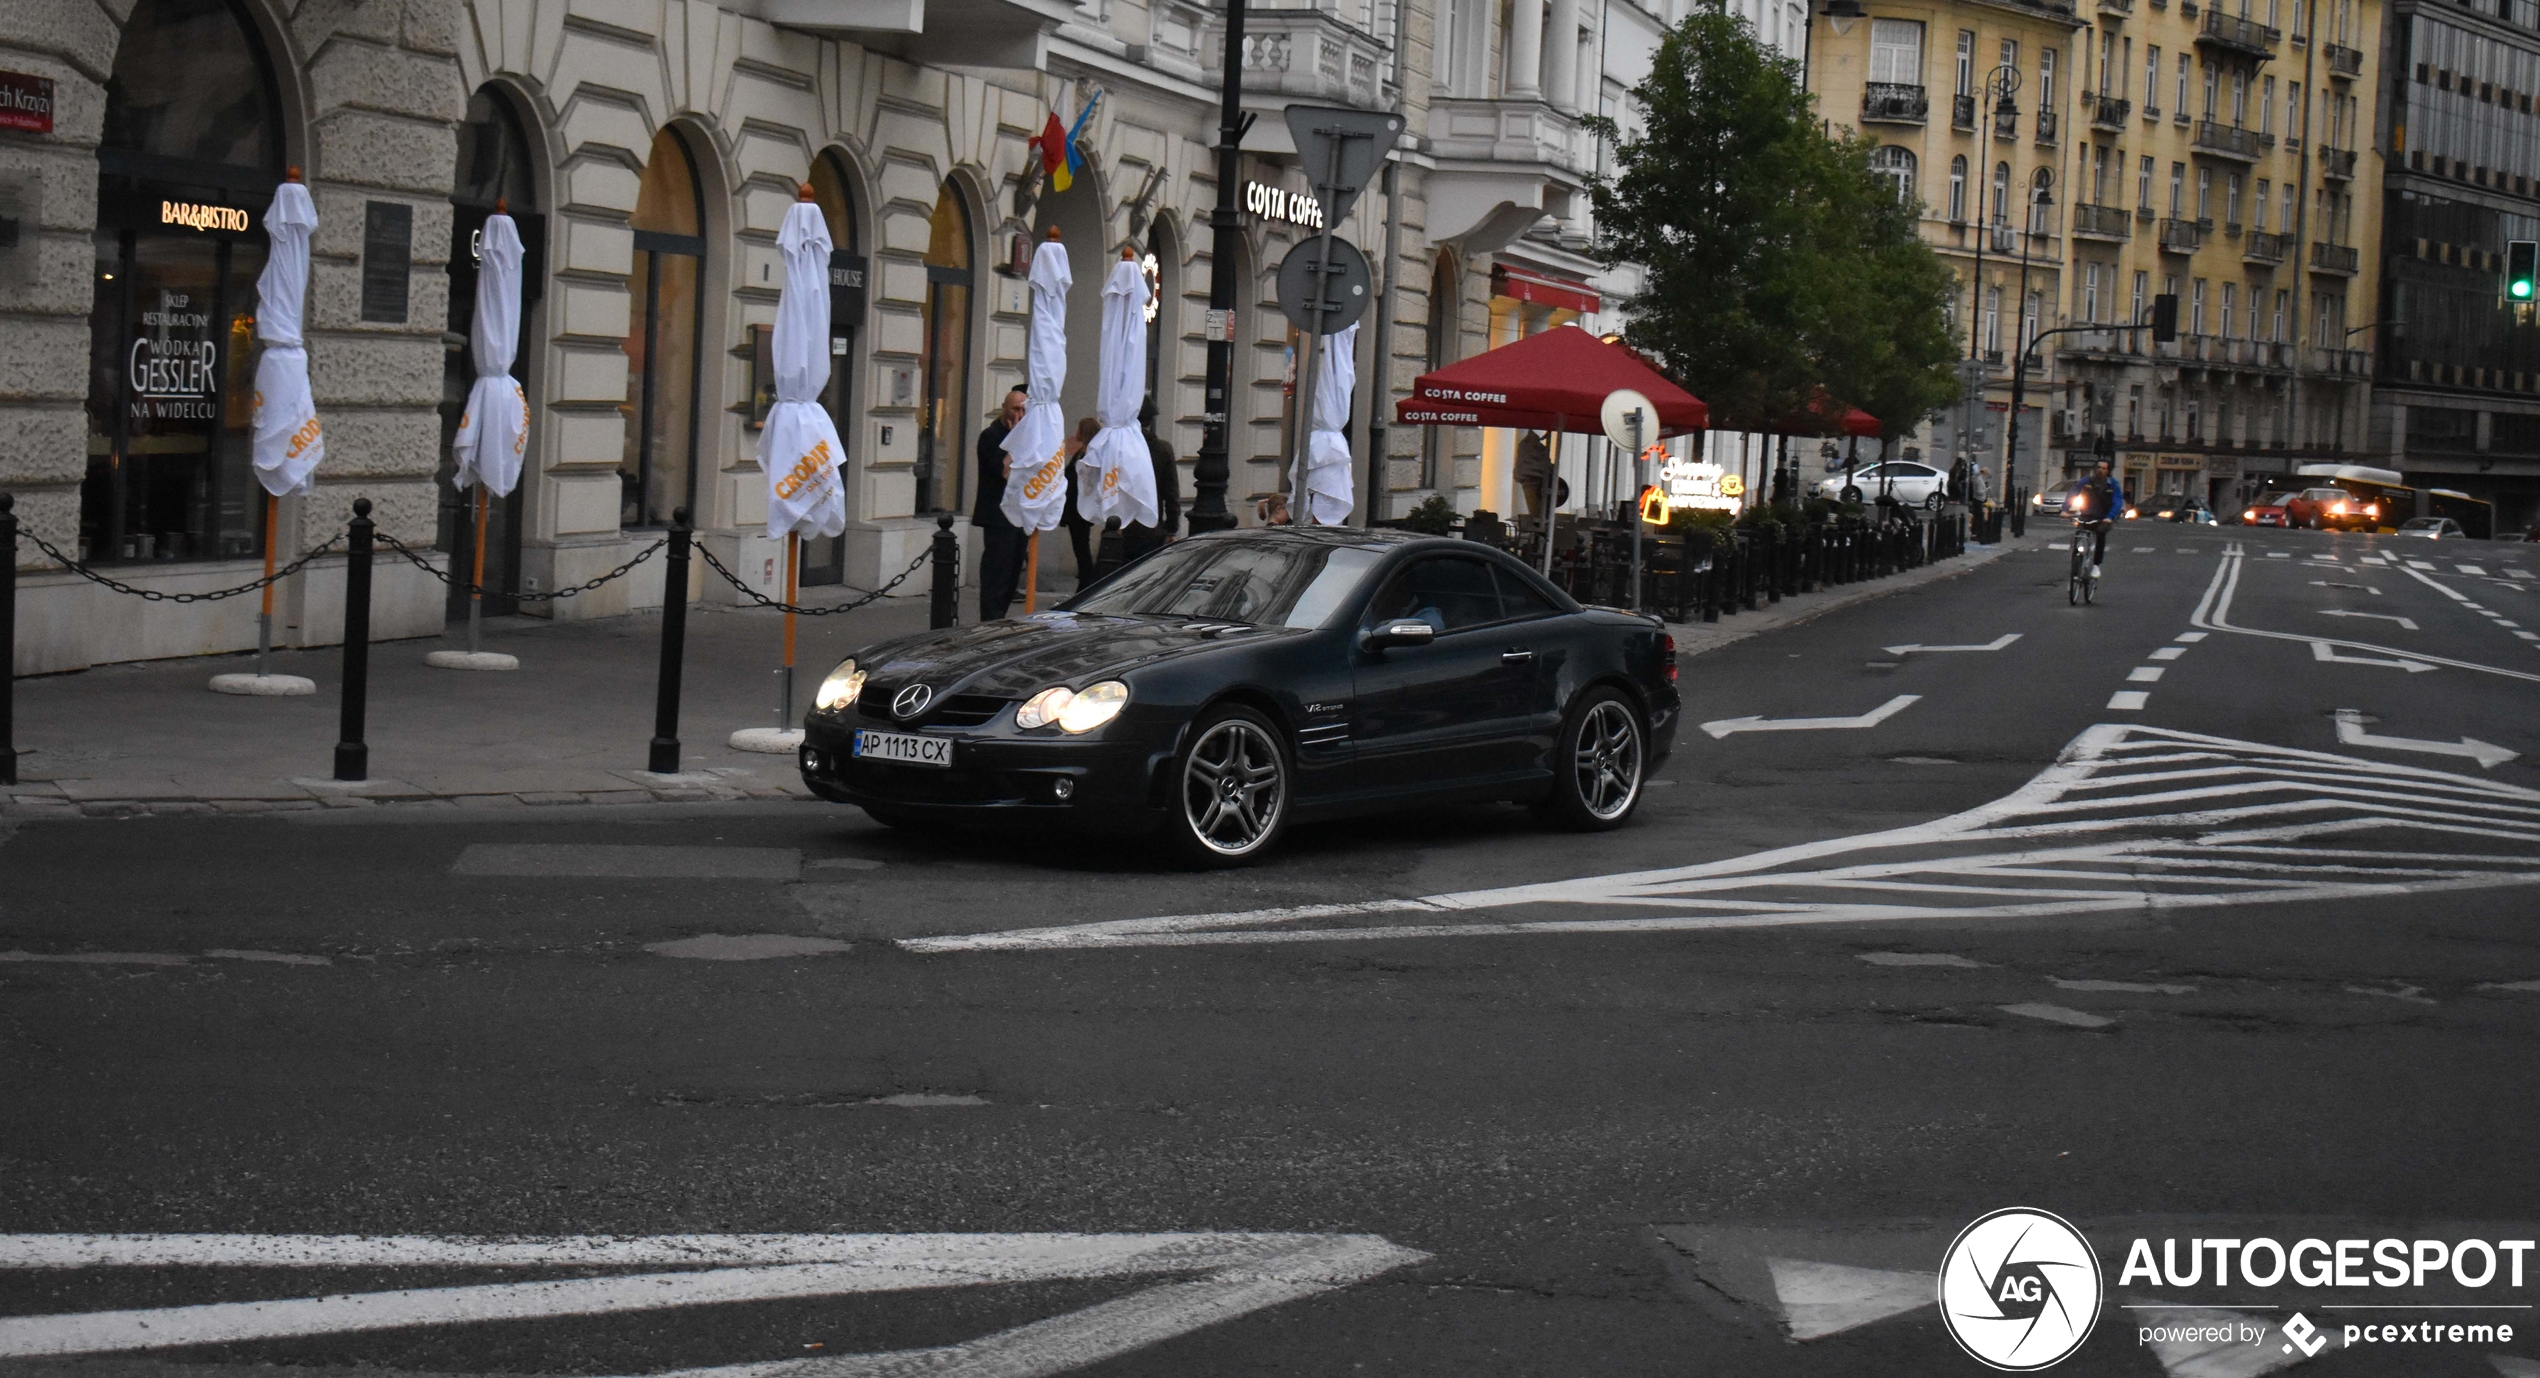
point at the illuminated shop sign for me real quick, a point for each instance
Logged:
(1294, 207)
(196, 217)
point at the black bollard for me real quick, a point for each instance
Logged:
(352, 755)
(946, 608)
(8, 638)
(674, 644)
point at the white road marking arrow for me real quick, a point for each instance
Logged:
(1873, 718)
(2333, 584)
(2378, 616)
(1995, 644)
(2350, 732)
(2326, 653)
(1821, 1299)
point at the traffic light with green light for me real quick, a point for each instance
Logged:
(2522, 269)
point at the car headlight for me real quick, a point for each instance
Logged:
(1071, 710)
(843, 687)
(2372, 509)
(2131, 512)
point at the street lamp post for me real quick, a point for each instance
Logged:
(1998, 86)
(2019, 329)
(1209, 475)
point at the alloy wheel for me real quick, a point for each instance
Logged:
(1234, 788)
(1607, 760)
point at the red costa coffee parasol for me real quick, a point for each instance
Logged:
(1554, 381)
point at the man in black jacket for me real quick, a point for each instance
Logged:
(1138, 540)
(1000, 541)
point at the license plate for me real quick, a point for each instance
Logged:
(905, 748)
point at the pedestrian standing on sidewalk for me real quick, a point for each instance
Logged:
(1000, 541)
(1140, 540)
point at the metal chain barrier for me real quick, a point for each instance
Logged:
(587, 586)
(155, 596)
(766, 602)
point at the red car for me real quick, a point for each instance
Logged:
(2331, 509)
(2268, 510)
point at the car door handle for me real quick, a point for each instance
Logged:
(1518, 656)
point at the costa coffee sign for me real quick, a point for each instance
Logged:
(26, 103)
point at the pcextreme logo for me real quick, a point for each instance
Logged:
(2019, 1290)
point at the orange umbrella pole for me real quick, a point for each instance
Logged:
(264, 619)
(476, 581)
(793, 563)
(1031, 572)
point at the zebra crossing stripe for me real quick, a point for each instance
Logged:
(2130, 818)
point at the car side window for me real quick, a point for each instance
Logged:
(1448, 592)
(1521, 599)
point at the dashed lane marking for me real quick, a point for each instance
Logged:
(2145, 674)
(604, 861)
(2128, 701)
(2057, 1014)
(2471, 570)
(2130, 819)
(2169, 653)
(1211, 1278)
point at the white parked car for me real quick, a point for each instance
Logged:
(2432, 529)
(1913, 485)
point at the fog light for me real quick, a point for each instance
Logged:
(1062, 789)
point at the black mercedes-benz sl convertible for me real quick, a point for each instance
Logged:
(1229, 685)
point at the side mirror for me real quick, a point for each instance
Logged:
(1406, 631)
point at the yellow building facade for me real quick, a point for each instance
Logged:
(2220, 154)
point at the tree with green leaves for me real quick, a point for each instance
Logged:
(1779, 268)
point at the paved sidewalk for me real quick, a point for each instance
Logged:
(573, 725)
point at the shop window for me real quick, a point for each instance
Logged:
(664, 344)
(191, 152)
(944, 367)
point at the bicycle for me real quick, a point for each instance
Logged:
(2083, 587)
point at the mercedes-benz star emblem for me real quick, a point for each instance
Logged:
(910, 702)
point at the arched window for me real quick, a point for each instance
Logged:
(664, 344)
(1443, 302)
(2041, 202)
(1897, 166)
(1958, 189)
(944, 356)
(192, 116)
(2001, 193)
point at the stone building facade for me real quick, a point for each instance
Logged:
(648, 152)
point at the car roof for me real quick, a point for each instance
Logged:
(1377, 539)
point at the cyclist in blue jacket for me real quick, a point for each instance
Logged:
(2099, 501)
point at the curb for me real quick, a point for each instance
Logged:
(35, 802)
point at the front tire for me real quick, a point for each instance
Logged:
(1932, 503)
(1851, 494)
(1597, 764)
(1231, 785)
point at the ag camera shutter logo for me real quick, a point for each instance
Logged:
(2019, 1290)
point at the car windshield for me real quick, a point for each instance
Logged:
(1268, 583)
(2275, 499)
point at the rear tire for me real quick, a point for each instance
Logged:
(1231, 783)
(1598, 764)
(1932, 502)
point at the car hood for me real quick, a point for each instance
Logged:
(1014, 658)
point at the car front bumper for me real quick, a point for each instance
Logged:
(1107, 781)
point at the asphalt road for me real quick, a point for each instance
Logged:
(1707, 1096)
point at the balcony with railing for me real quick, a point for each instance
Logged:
(2227, 141)
(2338, 164)
(2102, 222)
(2180, 236)
(2342, 363)
(2108, 112)
(1305, 55)
(2119, 8)
(2334, 258)
(2006, 122)
(2342, 61)
(2262, 246)
(2244, 36)
(1962, 112)
(1889, 102)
